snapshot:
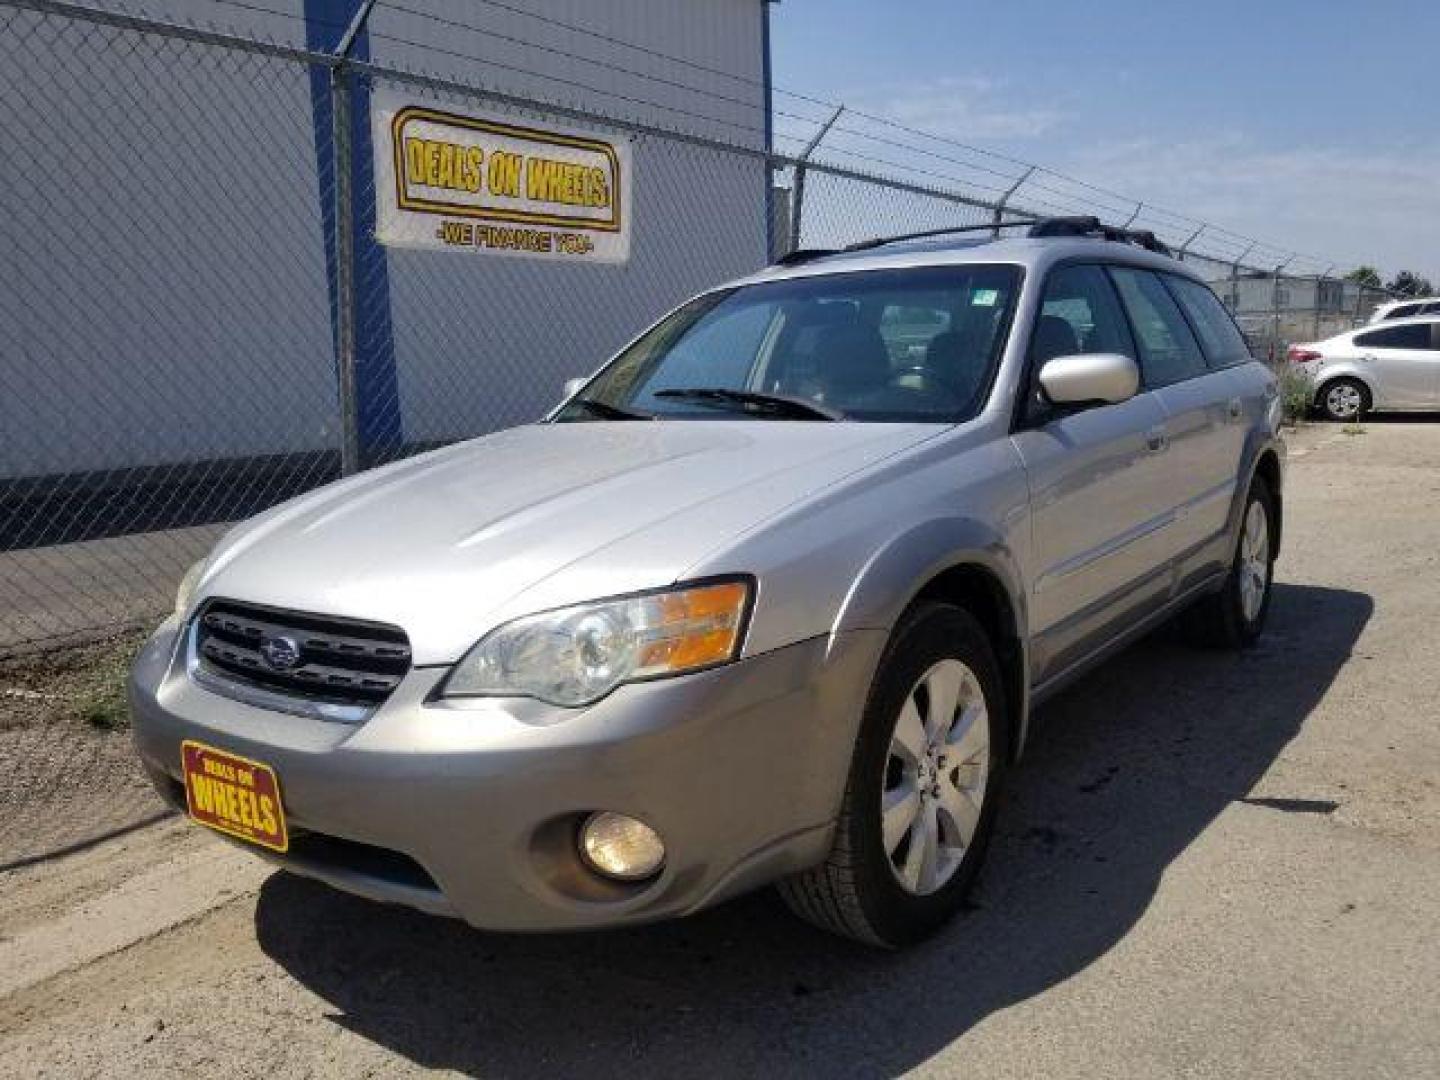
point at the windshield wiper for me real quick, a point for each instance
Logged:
(778, 405)
(606, 411)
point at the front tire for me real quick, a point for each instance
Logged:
(1234, 617)
(919, 803)
(1344, 400)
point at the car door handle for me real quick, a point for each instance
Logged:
(1156, 441)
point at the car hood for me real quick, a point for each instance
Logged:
(452, 543)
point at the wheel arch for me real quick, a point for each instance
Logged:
(959, 561)
(1346, 374)
(980, 592)
(1267, 467)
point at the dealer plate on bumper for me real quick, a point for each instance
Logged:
(235, 795)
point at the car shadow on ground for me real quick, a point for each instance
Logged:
(1124, 772)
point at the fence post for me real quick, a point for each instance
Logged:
(1235, 276)
(1275, 308)
(1190, 240)
(998, 218)
(344, 275)
(347, 386)
(797, 193)
(1319, 288)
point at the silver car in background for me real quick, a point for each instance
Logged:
(1404, 309)
(1392, 367)
(769, 599)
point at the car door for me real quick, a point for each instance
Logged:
(1434, 362)
(1397, 360)
(1097, 485)
(1235, 399)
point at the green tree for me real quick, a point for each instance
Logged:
(1365, 275)
(1408, 283)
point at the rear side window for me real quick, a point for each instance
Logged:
(1219, 336)
(1414, 336)
(1079, 314)
(1169, 352)
(1430, 309)
(1402, 311)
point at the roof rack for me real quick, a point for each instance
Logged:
(804, 255)
(1046, 227)
(1093, 226)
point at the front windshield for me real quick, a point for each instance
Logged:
(915, 344)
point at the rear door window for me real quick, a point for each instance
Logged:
(1413, 336)
(1169, 352)
(1219, 336)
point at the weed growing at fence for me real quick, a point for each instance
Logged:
(79, 686)
(1297, 394)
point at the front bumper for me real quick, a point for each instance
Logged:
(472, 810)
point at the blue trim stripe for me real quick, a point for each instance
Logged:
(377, 386)
(770, 252)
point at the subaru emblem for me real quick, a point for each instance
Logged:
(280, 652)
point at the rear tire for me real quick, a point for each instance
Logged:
(920, 799)
(1234, 617)
(1343, 400)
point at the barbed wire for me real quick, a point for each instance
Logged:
(1031, 168)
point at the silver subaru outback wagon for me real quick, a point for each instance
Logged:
(769, 599)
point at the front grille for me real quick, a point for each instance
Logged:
(315, 657)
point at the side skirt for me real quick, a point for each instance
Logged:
(1139, 629)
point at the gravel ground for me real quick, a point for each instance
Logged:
(1209, 865)
(70, 777)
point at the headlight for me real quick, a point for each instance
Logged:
(577, 655)
(186, 592)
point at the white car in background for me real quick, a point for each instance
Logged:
(1405, 309)
(1394, 367)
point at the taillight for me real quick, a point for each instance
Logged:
(1296, 355)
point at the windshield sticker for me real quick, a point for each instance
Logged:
(984, 297)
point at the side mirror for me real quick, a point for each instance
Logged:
(1090, 379)
(572, 387)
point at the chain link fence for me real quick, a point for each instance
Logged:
(196, 325)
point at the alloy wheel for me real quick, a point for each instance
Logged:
(1254, 565)
(935, 777)
(1343, 401)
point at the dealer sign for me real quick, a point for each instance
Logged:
(459, 181)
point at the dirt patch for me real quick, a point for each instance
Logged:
(70, 774)
(83, 684)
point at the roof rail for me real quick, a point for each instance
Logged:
(1093, 226)
(804, 255)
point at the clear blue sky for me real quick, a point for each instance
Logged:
(1315, 125)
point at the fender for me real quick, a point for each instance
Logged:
(900, 571)
(1258, 444)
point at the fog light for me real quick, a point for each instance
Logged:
(620, 847)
